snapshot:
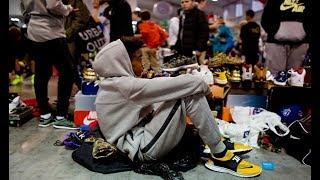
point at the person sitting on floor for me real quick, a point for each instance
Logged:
(145, 118)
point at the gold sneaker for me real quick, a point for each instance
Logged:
(89, 74)
(235, 76)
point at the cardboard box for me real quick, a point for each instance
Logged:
(219, 91)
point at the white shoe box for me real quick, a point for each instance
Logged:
(85, 102)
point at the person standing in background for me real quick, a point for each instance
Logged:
(74, 23)
(288, 25)
(49, 47)
(99, 6)
(120, 19)
(174, 29)
(136, 16)
(201, 4)
(223, 40)
(250, 35)
(193, 30)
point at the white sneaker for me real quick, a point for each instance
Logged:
(246, 72)
(269, 76)
(297, 77)
(16, 102)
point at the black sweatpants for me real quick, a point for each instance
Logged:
(48, 54)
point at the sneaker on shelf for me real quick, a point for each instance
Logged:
(234, 165)
(89, 75)
(16, 80)
(234, 60)
(217, 60)
(64, 124)
(246, 72)
(269, 76)
(235, 76)
(46, 122)
(296, 76)
(180, 62)
(260, 73)
(281, 78)
(236, 148)
(221, 77)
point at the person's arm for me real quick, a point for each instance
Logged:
(149, 91)
(81, 18)
(203, 32)
(58, 8)
(270, 17)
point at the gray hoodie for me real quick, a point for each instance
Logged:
(47, 19)
(124, 99)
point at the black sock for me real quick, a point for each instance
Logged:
(221, 154)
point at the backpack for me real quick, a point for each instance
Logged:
(298, 142)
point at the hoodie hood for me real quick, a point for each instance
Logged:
(113, 61)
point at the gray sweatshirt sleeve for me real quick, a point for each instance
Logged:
(57, 7)
(149, 91)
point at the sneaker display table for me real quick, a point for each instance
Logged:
(267, 96)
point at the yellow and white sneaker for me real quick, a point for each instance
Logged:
(221, 78)
(236, 148)
(234, 165)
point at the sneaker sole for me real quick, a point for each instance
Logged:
(195, 65)
(280, 83)
(221, 82)
(64, 127)
(225, 170)
(45, 125)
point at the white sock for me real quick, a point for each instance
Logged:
(59, 117)
(45, 116)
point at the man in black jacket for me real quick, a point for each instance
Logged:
(288, 25)
(120, 19)
(193, 30)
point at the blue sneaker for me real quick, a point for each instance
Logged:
(281, 78)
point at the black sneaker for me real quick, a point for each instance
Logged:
(45, 122)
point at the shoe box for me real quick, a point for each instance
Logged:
(219, 92)
(85, 117)
(20, 116)
(85, 102)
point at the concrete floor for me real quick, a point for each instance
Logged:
(33, 156)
